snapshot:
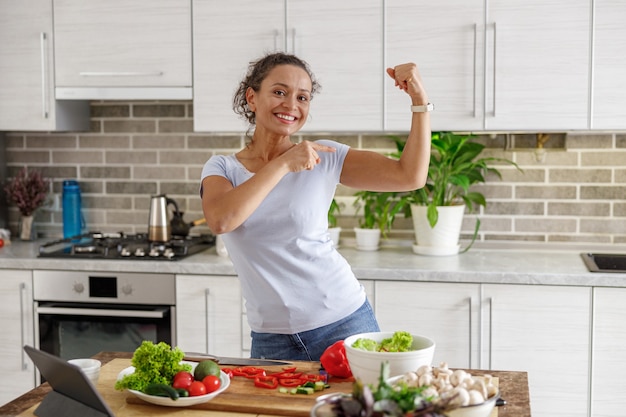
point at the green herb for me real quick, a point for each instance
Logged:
(154, 364)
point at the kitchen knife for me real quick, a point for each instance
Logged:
(224, 360)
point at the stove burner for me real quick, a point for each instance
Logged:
(96, 245)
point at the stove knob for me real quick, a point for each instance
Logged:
(125, 252)
(154, 252)
(140, 252)
(127, 289)
(169, 253)
(78, 287)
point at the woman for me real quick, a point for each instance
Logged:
(270, 202)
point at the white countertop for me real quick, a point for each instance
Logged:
(497, 262)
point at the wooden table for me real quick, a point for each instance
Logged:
(513, 387)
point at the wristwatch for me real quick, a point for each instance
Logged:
(422, 109)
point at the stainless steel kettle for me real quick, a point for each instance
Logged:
(159, 229)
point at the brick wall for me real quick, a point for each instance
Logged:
(137, 149)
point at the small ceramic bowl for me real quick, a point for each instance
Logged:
(90, 367)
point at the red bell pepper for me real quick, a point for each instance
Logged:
(334, 360)
(269, 382)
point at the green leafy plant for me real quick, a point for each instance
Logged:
(379, 209)
(333, 211)
(455, 165)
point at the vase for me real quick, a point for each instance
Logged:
(443, 239)
(27, 232)
(367, 239)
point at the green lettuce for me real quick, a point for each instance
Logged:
(154, 363)
(398, 342)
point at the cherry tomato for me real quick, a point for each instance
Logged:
(182, 380)
(197, 388)
(212, 383)
(1, 243)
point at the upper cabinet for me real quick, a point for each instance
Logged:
(119, 49)
(27, 74)
(516, 65)
(609, 84)
(341, 41)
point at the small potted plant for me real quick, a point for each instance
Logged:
(437, 209)
(379, 213)
(28, 191)
(333, 211)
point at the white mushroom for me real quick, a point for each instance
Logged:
(411, 379)
(479, 385)
(424, 369)
(425, 379)
(458, 377)
(475, 397)
(459, 396)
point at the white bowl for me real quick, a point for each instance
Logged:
(90, 367)
(365, 365)
(182, 401)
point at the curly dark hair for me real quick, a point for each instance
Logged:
(257, 72)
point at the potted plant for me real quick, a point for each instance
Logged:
(379, 212)
(28, 191)
(333, 211)
(437, 209)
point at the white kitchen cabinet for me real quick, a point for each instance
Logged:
(27, 72)
(608, 355)
(545, 331)
(341, 41)
(16, 322)
(516, 65)
(445, 312)
(117, 49)
(208, 314)
(609, 65)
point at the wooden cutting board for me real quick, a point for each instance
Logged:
(243, 397)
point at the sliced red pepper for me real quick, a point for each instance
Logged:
(290, 382)
(228, 371)
(311, 377)
(287, 375)
(263, 381)
(248, 371)
(289, 369)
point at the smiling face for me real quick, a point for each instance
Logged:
(281, 105)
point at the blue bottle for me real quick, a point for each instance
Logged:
(72, 215)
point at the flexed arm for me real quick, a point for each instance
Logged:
(375, 172)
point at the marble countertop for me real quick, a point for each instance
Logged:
(498, 262)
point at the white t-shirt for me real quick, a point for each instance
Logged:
(292, 278)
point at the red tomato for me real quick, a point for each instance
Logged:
(182, 380)
(197, 388)
(1, 243)
(212, 383)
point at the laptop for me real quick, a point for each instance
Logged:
(73, 394)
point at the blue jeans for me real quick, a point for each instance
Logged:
(309, 345)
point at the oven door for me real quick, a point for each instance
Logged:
(79, 330)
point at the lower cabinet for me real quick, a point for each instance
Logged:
(16, 322)
(543, 330)
(208, 314)
(609, 353)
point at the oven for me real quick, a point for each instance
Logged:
(78, 314)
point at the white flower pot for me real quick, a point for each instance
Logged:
(367, 239)
(334, 233)
(441, 240)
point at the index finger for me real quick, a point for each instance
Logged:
(323, 148)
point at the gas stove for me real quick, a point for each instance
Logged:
(96, 245)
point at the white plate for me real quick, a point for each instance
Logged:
(182, 401)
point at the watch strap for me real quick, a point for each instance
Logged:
(422, 109)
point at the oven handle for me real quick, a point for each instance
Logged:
(68, 311)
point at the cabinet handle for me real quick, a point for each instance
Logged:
(207, 294)
(494, 69)
(474, 77)
(469, 304)
(276, 34)
(43, 41)
(120, 73)
(23, 324)
(293, 41)
(490, 330)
